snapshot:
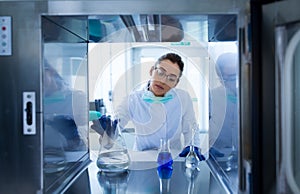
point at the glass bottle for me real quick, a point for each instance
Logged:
(113, 154)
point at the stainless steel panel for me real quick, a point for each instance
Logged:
(144, 7)
(21, 155)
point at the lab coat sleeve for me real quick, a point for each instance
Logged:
(80, 107)
(122, 112)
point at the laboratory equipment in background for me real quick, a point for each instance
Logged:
(99, 106)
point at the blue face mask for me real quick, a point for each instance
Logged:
(150, 98)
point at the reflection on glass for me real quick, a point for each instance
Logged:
(64, 99)
(191, 175)
(224, 113)
(113, 182)
(226, 143)
(61, 129)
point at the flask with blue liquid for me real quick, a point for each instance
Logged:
(164, 166)
(164, 160)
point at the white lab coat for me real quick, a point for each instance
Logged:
(153, 121)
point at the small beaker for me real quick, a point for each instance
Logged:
(113, 154)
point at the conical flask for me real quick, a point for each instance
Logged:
(191, 160)
(164, 158)
(113, 154)
(164, 166)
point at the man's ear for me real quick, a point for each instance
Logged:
(151, 70)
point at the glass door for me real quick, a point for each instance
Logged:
(65, 100)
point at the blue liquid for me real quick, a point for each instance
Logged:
(165, 159)
(165, 162)
(164, 173)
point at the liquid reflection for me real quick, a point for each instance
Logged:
(164, 174)
(113, 182)
(191, 175)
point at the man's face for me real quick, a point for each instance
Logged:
(164, 76)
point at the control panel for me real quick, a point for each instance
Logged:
(5, 36)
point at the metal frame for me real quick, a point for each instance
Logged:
(24, 64)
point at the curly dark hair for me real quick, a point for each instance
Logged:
(174, 58)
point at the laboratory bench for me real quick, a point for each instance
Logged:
(142, 177)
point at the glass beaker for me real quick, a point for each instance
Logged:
(113, 154)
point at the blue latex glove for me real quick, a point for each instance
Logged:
(186, 150)
(104, 124)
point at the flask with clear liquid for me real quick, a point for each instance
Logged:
(191, 160)
(113, 154)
